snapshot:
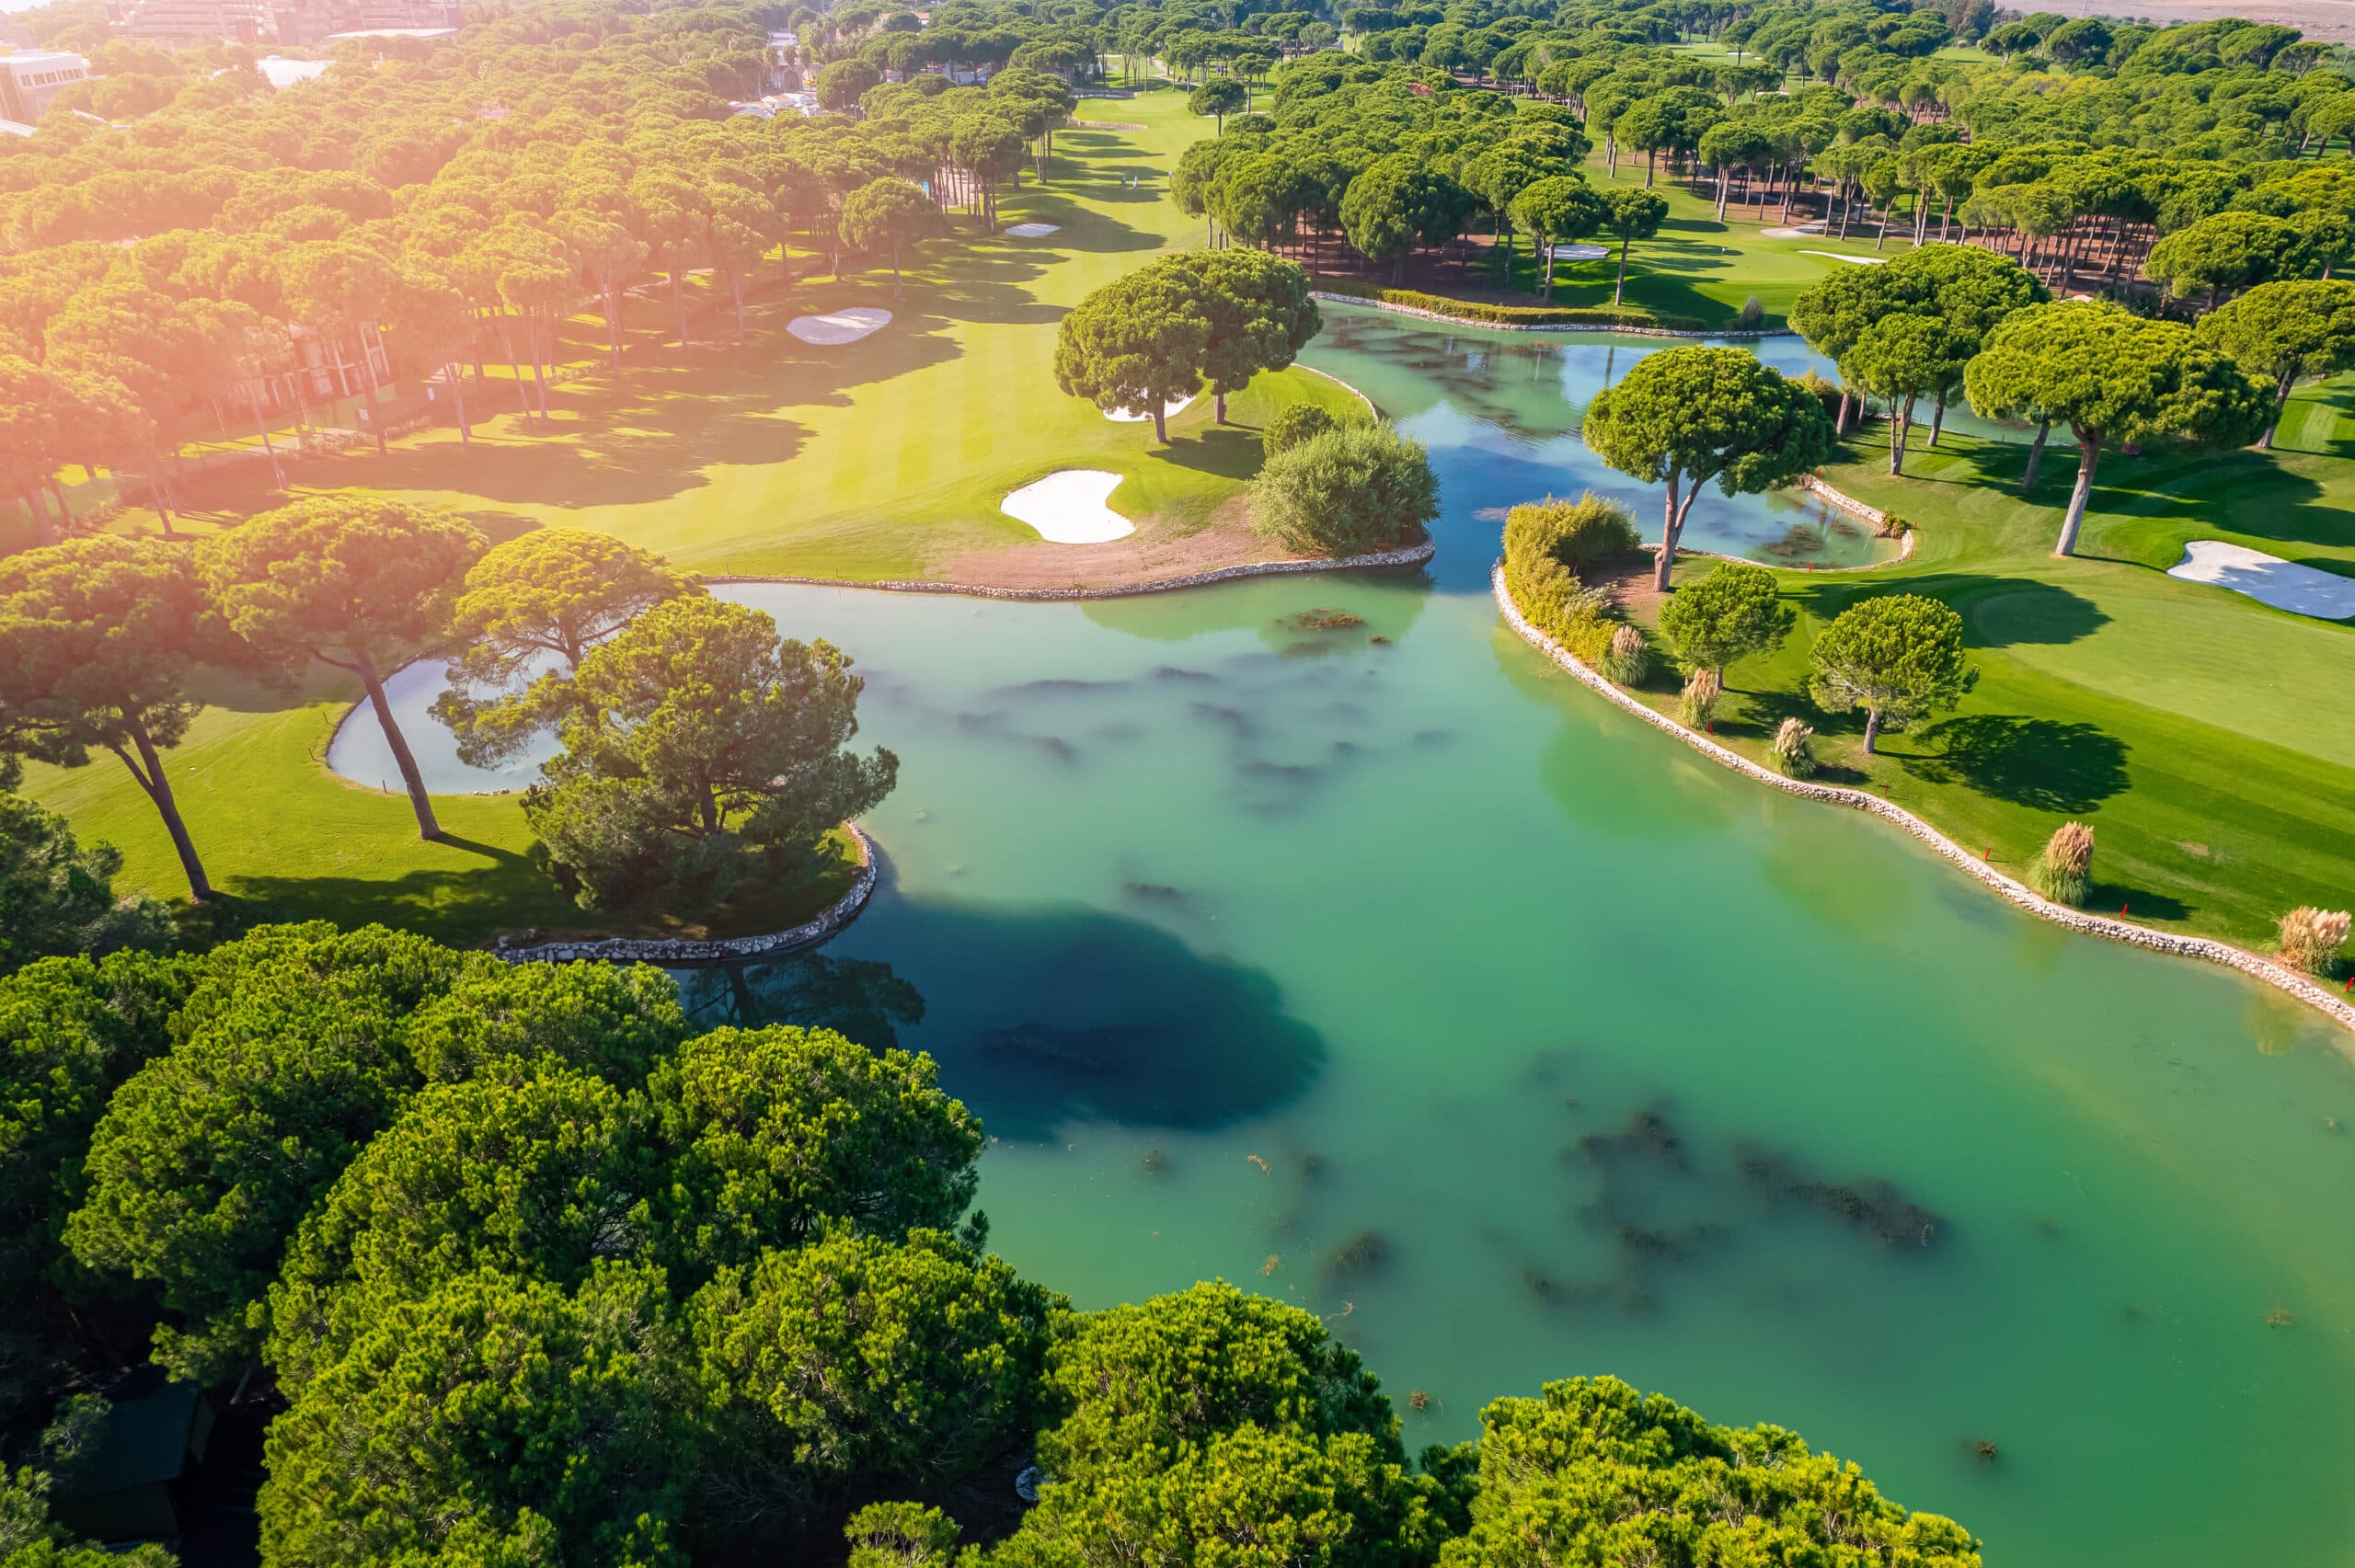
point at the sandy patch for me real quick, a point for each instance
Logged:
(1071, 507)
(1154, 551)
(1168, 411)
(1033, 231)
(1581, 252)
(2285, 585)
(840, 325)
(1796, 231)
(1851, 260)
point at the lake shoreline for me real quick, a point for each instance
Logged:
(2280, 977)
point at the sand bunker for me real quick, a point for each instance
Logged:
(1070, 507)
(2285, 585)
(1581, 252)
(1797, 231)
(1168, 411)
(1851, 260)
(840, 325)
(1033, 231)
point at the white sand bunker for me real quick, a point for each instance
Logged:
(1033, 231)
(2285, 585)
(1581, 252)
(1851, 260)
(840, 325)
(1797, 231)
(1070, 508)
(1168, 411)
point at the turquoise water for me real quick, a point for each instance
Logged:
(1412, 983)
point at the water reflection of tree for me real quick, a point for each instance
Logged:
(860, 998)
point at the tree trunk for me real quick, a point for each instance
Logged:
(1872, 731)
(1938, 417)
(1652, 159)
(277, 474)
(1160, 423)
(2035, 456)
(1672, 524)
(1841, 424)
(44, 531)
(2280, 401)
(427, 827)
(1549, 270)
(2088, 461)
(1619, 290)
(1218, 407)
(458, 393)
(149, 772)
(1898, 429)
(1724, 177)
(375, 406)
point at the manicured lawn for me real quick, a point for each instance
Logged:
(1696, 267)
(2208, 739)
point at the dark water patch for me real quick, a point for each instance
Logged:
(1171, 674)
(1367, 1252)
(1872, 1205)
(1154, 892)
(1155, 1162)
(1233, 721)
(1056, 747)
(1323, 618)
(1119, 732)
(1346, 749)
(1039, 1018)
(1432, 737)
(861, 998)
(1645, 1137)
(1059, 687)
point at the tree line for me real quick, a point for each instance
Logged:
(558, 1275)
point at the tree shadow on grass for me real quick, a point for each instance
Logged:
(2043, 764)
(1230, 452)
(2134, 903)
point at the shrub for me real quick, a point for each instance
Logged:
(1629, 659)
(1351, 490)
(1581, 534)
(1795, 749)
(1509, 316)
(1293, 423)
(2064, 871)
(1753, 313)
(1825, 392)
(2310, 938)
(1698, 706)
(1550, 594)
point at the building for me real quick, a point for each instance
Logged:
(30, 78)
(293, 22)
(133, 1486)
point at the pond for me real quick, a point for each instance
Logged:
(1410, 982)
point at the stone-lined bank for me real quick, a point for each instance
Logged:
(1412, 556)
(660, 950)
(2254, 964)
(1730, 335)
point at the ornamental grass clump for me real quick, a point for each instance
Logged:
(1795, 749)
(2063, 873)
(1629, 659)
(2310, 938)
(1547, 546)
(1698, 704)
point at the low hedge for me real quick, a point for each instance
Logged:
(1516, 316)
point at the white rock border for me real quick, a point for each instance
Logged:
(662, 950)
(1731, 333)
(2018, 893)
(1410, 555)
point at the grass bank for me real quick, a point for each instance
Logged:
(2206, 737)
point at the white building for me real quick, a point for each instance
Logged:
(30, 78)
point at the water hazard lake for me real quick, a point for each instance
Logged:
(1412, 983)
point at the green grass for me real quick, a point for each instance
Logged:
(886, 458)
(2207, 737)
(1696, 267)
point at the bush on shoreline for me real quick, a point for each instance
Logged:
(1547, 547)
(1349, 491)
